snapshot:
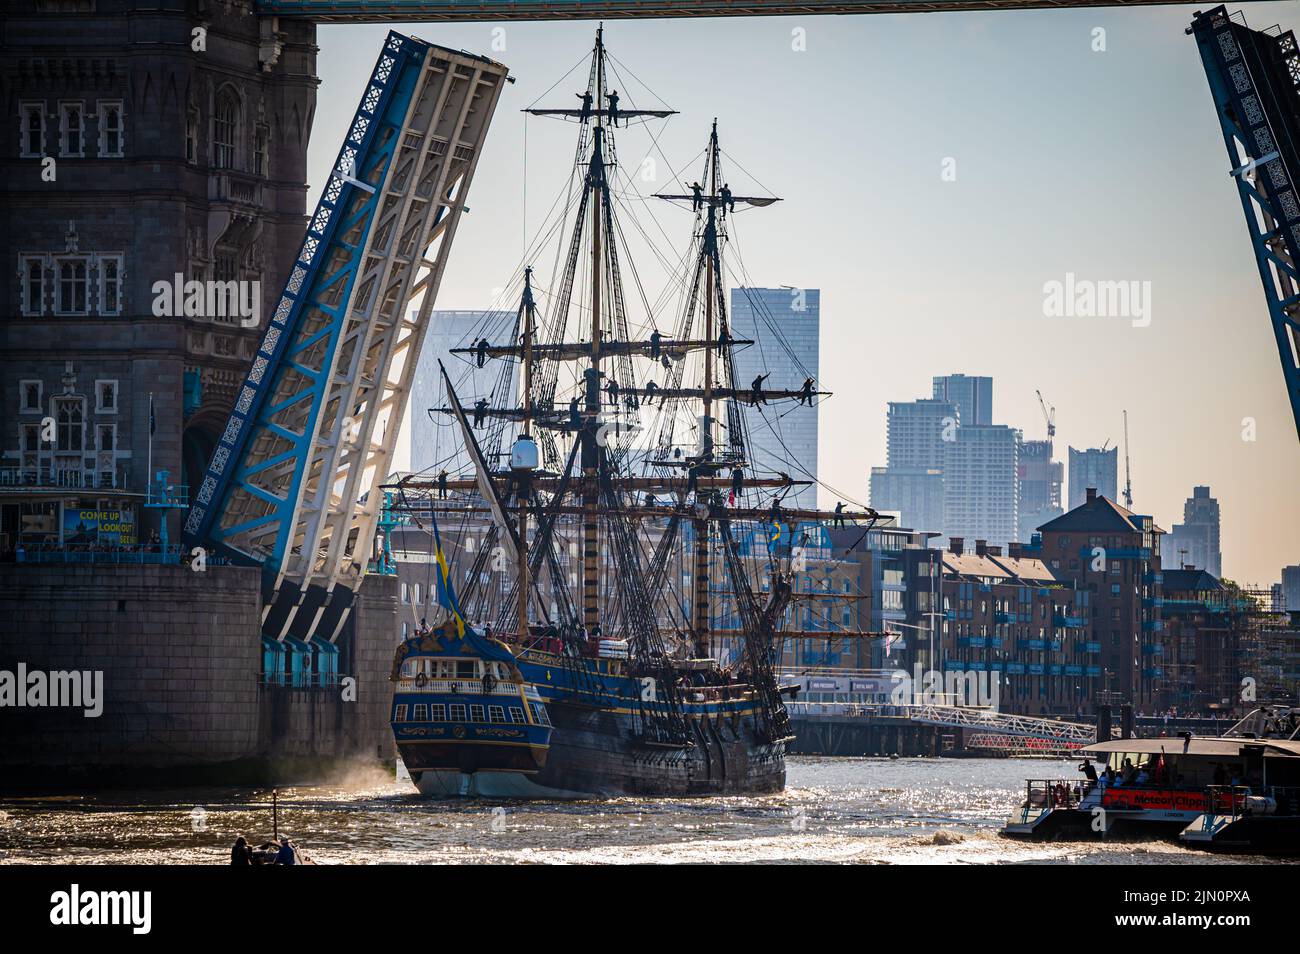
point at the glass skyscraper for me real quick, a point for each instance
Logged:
(435, 442)
(785, 324)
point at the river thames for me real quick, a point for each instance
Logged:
(885, 811)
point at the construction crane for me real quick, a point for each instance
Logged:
(1049, 415)
(1128, 481)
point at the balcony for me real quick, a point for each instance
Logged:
(1039, 645)
(1154, 672)
(973, 642)
(1076, 622)
(1153, 625)
(1153, 649)
(1004, 617)
(64, 478)
(1089, 647)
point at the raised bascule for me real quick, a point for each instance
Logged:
(292, 485)
(1254, 76)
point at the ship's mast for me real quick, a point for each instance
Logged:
(525, 489)
(702, 525)
(590, 447)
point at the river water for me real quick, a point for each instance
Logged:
(889, 811)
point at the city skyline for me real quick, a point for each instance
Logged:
(892, 320)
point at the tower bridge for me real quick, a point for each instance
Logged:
(276, 429)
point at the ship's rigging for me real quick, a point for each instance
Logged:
(643, 482)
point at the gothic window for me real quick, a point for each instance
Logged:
(110, 129)
(32, 129)
(70, 421)
(225, 292)
(30, 396)
(225, 126)
(110, 284)
(259, 151)
(106, 397)
(72, 130)
(33, 289)
(192, 135)
(71, 286)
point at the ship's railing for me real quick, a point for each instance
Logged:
(463, 687)
(1225, 801)
(1043, 793)
(716, 693)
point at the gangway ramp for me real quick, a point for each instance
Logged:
(988, 720)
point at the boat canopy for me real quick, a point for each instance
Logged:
(1222, 747)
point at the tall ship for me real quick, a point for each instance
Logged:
(610, 513)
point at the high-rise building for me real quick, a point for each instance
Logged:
(1291, 589)
(1041, 479)
(914, 493)
(972, 395)
(981, 485)
(784, 439)
(911, 484)
(1095, 467)
(435, 443)
(1195, 541)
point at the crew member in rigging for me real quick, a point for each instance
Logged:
(655, 338)
(586, 105)
(442, 484)
(806, 392)
(697, 196)
(480, 411)
(650, 389)
(482, 351)
(728, 201)
(612, 96)
(756, 389)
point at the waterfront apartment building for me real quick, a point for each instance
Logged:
(1004, 612)
(972, 395)
(1211, 642)
(132, 160)
(1114, 554)
(1095, 467)
(886, 553)
(1195, 541)
(981, 484)
(784, 440)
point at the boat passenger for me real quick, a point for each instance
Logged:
(241, 854)
(287, 854)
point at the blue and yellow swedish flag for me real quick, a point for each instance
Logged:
(446, 592)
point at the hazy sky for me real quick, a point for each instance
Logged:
(1108, 165)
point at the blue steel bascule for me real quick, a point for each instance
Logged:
(291, 486)
(1255, 79)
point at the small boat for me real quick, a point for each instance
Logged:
(1237, 791)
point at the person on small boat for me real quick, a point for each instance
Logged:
(240, 853)
(287, 855)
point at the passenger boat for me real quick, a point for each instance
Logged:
(600, 528)
(1240, 790)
